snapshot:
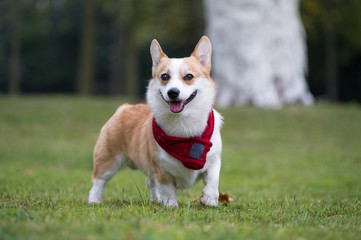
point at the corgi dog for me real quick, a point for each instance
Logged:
(174, 139)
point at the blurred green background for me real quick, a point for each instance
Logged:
(102, 47)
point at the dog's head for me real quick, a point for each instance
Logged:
(181, 85)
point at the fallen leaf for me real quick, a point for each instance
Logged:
(197, 199)
(223, 198)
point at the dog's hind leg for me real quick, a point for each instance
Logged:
(154, 193)
(105, 166)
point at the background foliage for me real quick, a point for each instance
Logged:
(61, 45)
(334, 46)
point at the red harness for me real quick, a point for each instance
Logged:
(192, 152)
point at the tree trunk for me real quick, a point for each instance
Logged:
(87, 48)
(330, 60)
(131, 53)
(116, 66)
(131, 68)
(124, 66)
(14, 65)
(258, 52)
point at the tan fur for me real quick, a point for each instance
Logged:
(196, 69)
(129, 132)
(193, 67)
(162, 68)
(194, 54)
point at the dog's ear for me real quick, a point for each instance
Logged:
(156, 52)
(203, 52)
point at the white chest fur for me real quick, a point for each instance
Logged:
(184, 177)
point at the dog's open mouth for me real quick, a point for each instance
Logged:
(178, 106)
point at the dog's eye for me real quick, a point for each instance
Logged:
(165, 77)
(188, 77)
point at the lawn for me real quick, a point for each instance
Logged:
(295, 173)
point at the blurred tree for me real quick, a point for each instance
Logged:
(334, 43)
(330, 51)
(4, 61)
(59, 44)
(124, 50)
(135, 24)
(133, 8)
(259, 52)
(87, 50)
(326, 11)
(51, 47)
(15, 38)
(117, 50)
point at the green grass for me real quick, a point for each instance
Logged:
(295, 174)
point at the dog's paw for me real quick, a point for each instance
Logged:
(209, 201)
(94, 198)
(94, 201)
(170, 203)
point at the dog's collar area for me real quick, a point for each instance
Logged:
(191, 152)
(178, 106)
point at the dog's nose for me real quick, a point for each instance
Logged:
(173, 93)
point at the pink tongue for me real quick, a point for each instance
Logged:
(176, 106)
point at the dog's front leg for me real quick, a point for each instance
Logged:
(210, 192)
(167, 194)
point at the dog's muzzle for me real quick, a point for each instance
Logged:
(178, 106)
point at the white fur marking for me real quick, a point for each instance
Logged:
(96, 192)
(210, 192)
(154, 193)
(167, 194)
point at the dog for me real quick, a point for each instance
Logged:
(174, 139)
